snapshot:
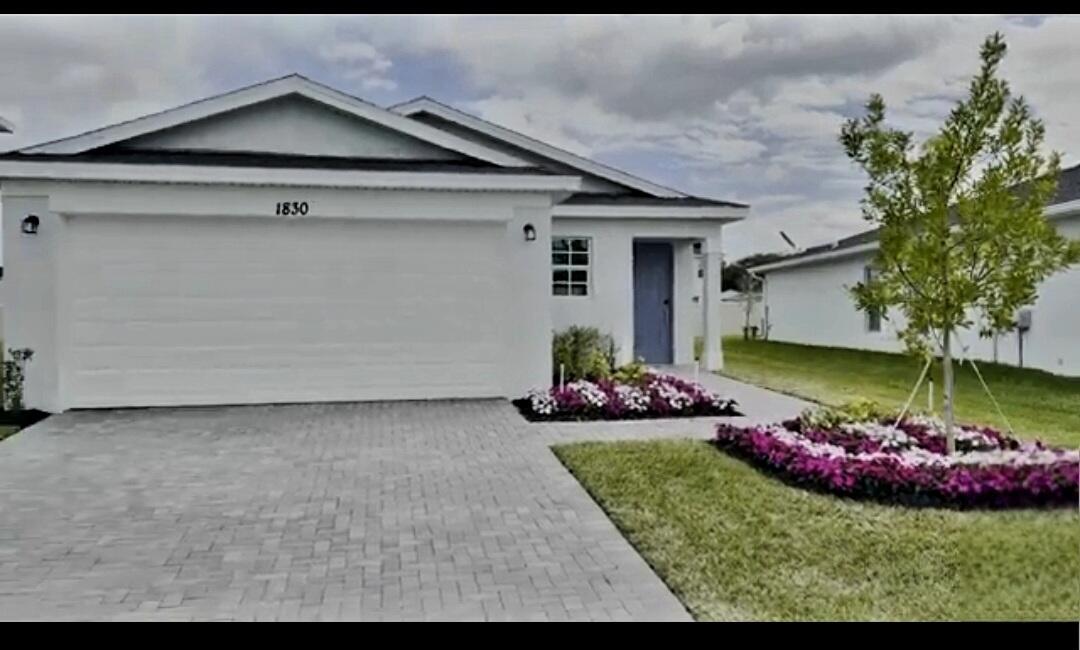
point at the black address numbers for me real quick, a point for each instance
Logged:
(291, 208)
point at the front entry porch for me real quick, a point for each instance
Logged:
(653, 285)
(675, 302)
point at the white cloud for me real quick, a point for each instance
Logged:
(360, 61)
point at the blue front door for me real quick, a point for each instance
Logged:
(653, 273)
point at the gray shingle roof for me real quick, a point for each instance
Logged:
(1068, 190)
(1068, 185)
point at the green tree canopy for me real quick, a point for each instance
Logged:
(962, 232)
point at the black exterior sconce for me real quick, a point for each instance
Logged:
(30, 225)
(530, 232)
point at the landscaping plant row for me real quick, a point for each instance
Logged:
(653, 395)
(906, 463)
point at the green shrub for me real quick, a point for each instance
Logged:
(863, 409)
(13, 376)
(858, 410)
(584, 353)
(631, 373)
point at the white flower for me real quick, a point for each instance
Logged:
(633, 398)
(890, 437)
(589, 392)
(675, 398)
(914, 456)
(936, 427)
(541, 401)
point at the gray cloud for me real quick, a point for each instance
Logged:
(746, 108)
(689, 77)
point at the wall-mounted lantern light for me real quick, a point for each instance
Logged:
(30, 225)
(530, 232)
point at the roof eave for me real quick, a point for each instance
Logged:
(47, 170)
(720, 213)
(819, 257)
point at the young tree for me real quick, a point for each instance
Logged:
(961, 224)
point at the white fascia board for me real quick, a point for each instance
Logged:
(726, 213)
(425, 104)
(1062, 209)
(263, 92)
(206, 175)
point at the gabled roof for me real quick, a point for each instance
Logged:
(1064, 202)
(284, 86)
(426, 104)
(6, 127)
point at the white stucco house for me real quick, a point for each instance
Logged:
(807, 301)
(287, 242)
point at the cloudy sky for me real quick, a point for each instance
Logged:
(745, 108)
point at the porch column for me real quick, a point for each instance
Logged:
(713, 354)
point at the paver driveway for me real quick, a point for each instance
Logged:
(437, 510)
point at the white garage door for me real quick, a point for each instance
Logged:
(170, 311)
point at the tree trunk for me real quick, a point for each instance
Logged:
(947, 371)
(746, 319)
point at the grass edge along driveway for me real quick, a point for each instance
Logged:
(734, 544)
(1038, 404)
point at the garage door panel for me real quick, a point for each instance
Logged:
(105, 311)
(198, 311)
(273, 357)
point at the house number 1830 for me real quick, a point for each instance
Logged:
(287, 208)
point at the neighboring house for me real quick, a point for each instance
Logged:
(287, 242)
(807, 300)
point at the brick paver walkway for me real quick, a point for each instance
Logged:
(409, 510)
(374, 511)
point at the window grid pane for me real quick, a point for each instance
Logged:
(570, 266)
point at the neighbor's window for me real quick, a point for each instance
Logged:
(570, 259)
(873, 316)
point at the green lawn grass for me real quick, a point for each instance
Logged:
(6, 431)
(732, 543)
(1038, 404)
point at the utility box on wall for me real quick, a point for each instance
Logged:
(1023, 320)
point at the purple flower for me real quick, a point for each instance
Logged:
(907, 464)
(657, 395)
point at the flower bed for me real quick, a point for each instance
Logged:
(654, 396)
(907, 463)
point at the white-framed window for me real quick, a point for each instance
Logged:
(571, 262)
(873, 316)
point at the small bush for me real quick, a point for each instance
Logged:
(858, 410)
(14, 374)
(584, 353)
(634, 373)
